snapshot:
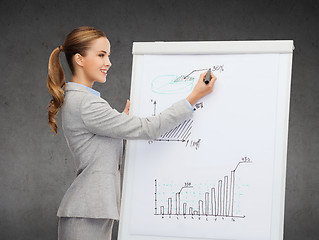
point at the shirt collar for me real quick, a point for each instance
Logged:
(90, 89)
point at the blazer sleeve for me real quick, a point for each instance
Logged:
(101, 119)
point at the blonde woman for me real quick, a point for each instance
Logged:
(94, 132)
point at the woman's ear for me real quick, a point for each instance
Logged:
(78, 59)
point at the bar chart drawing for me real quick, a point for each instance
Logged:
(182, 132)
(218, 202)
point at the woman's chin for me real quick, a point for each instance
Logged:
(102, 80)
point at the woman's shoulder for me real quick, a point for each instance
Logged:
(77, 93)
(90, 102)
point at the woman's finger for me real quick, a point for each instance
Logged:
(127, 107)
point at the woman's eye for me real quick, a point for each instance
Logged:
(101, 55)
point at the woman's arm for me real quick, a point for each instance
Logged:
(101, 119)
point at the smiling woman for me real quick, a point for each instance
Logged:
(94, 132)
(75, 46)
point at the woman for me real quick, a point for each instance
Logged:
(94, 132)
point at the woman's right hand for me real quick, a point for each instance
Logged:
(201, 89)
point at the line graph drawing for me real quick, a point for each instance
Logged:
(219, 68)
(173, 84)
(181, 133)
(218, 202)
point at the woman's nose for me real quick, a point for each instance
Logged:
(108, 62)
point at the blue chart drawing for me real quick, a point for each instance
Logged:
(173, 84)
(219, 202)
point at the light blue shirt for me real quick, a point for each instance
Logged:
(98, 93)
(91, 89)
(189, 105)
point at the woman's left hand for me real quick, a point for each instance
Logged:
(127, 107)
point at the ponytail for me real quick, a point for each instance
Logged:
(55, 85)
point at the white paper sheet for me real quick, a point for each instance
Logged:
(212, 176)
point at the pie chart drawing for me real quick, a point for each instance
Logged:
(172, 84)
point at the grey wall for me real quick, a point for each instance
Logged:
(37, 168)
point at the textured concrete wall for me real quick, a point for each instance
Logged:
(36, 168)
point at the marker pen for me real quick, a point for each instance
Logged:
(207, 78)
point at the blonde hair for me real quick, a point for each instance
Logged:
(77, 41)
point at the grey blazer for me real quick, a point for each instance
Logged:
(94, 133)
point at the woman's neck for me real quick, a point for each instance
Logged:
(81, 80)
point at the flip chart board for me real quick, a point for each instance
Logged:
(220, 174)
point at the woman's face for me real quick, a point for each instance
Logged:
(96, 63)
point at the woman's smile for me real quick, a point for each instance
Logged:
(104, 71)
